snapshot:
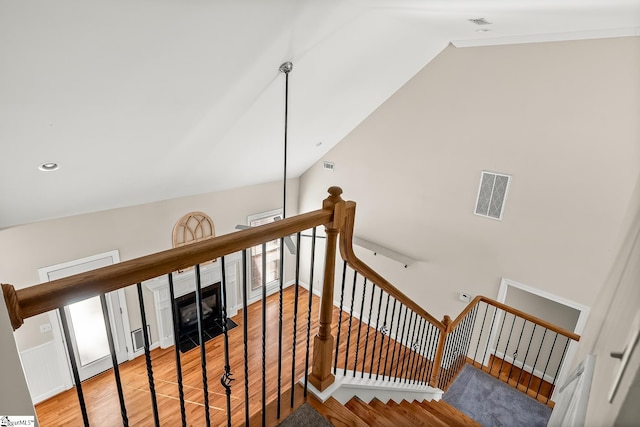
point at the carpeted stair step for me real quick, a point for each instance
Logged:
(443, 410)
(368, 414)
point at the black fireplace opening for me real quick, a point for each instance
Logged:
(187, 317)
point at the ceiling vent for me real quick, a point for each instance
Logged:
(492, 194)
(329, 166)
(480, 21)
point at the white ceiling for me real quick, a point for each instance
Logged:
(145, 100)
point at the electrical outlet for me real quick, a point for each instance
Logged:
(464, 297)
(45, 328)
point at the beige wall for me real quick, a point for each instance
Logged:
(561, 118)
(134, 231)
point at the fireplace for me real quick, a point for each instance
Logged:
(187, 314)
(187, 310)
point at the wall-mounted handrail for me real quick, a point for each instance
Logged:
(348, 254)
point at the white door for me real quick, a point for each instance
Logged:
(86, 322)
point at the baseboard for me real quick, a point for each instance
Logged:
(529, 369)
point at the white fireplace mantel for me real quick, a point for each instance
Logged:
(184, 283)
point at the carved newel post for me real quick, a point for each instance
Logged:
(321, 376)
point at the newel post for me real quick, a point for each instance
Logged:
(437, 361)
(321, 376)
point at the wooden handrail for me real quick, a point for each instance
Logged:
(28, 302)
(516, 312)
(336, 215)
(346, 250)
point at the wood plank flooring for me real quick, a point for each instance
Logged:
(372, 353)
(101, 394)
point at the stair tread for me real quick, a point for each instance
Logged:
(368, 414)
(336, 413)
(444, 410)
(416, 412)
(416, 418)
(398, 417)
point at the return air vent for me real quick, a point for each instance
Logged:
(329, 166)
(138, 338)
(492, 194)
(480, 21)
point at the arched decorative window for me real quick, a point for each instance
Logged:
(193, 227)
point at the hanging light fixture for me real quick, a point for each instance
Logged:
(285, 68)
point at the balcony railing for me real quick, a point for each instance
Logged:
(376, 331)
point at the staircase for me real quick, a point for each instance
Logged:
(358, 413)
(392, 414)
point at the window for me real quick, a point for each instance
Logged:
(271, 253)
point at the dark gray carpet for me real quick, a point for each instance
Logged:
(306, 416)
(493, 403)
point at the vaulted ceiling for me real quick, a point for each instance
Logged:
(140, 101)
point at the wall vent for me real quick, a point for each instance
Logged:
(480, 21)
(329, 166)
(138, 338)
(492, 194)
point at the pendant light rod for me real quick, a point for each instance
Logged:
(286, 69)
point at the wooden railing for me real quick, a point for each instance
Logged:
(27, 302)
(522, 350)
(429, 351)
(454, 337)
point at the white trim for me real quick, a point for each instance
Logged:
(578, 329)
(39, 364)
(255, 295)
(43, 272)
(527, 368)
(54, 317)
(540, 38)
(347, 386)
(122, 298)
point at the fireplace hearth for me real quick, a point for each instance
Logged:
(187, 317)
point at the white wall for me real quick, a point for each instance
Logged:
(561, 118)
(610, 324)
(14, 395)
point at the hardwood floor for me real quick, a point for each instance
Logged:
(101, 395)
(533, 386)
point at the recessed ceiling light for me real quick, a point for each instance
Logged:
(49, 166)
